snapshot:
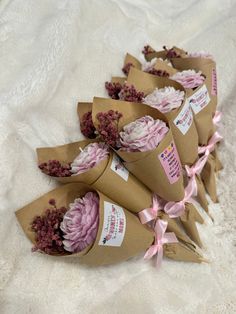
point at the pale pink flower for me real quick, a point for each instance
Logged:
(142, 135)
(89, 157)
(200, 54)
(148, 65)
(80, 223)
(189, 78)
(164, 99)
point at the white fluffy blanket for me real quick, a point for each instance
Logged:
(56, 52)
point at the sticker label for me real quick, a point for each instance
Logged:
(199, 100)
(119, 168)
(169, 159)
(184, 119)
(214, 82)
(114, 225)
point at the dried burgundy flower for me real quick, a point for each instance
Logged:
(49, 236)
(55, 169)
(86, 125)
(129, 93)
(161, 73)
(113, 89)
(147, 49)
(108, 127)
(127, 67)
(171, 53)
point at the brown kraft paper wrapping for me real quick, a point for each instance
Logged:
(118, 79)
(163, 65)
(162, 54)
(119, 185)
(209, 179)
(146, 166)
(187, 143)
(136, 237)
(131, 59)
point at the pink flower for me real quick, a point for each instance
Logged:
(80, 223)
(130, 93)
(143, 134)
(164, 99)
(200, 54)
(89, 157)
(149, 65)
(189, 78)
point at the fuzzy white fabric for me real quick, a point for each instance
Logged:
(54, 53)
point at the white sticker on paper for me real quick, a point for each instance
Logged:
(119, 168)
(184, 119)
(114, 225)
(199, 100)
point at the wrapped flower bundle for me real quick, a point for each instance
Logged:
(85, 223)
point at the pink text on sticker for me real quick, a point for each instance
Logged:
(214, 83)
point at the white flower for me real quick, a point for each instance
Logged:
(189, 78)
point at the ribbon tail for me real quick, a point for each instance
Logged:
(159, 257)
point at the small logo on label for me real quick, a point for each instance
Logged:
(119, 168)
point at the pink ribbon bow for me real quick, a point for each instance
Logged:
(149, 214)
(216, 137)
(161, 237)
(198, 166)
(217, 118)
(176, 209)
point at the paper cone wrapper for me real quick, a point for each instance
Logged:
(201, 193)
(160, 174)
(180, 120)
(163, 65)
(82, 108)
(218, 163)
(189, 219)
(113, 243)
(118, 79)
(131, 59)
(109, 176)
(209, 179)
(174, 225)
(162, 54)
(181, 252)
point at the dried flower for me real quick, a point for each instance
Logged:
(127, 67)
(161, 73)
(87, 127)
(148, 66)
(171, 53)
(142, 135)
(113, 89)
(108, 127)
(55, 169)
(200, 54)
(49, 236)
(89, 157)
(189, 78)
(129, 93)
(147, 49)
(165, 99)
(80, 223)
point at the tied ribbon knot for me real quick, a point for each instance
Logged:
(161, 237)
(149, 214)
(176, 209)
(217, 118)
(216, 137)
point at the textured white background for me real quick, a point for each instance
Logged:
(54, 53)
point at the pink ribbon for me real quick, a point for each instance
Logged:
(217, 118)
(149, 214)
(161, 237)
(176, 209)
(198, 166)
(216, 137)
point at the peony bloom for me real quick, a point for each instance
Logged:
(89, 157)
(189, 78)
(143, 134)
(80, 223)
(200, 54)
(164, 99)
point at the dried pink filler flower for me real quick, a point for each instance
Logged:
(148, 66)
(80, 223)
(129, 93)
(87, 127)
(147, 49)
(55, 169)
(164, 99)
(171, 53)
(200, 54)
(108, 127)
(127, 67)
(142, 135)
(49, 236)
(189, 78)
(89, 157)
(113, 89)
